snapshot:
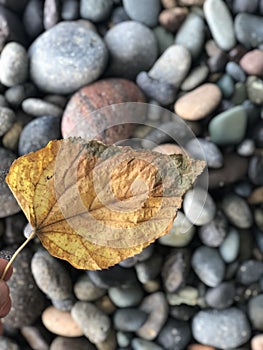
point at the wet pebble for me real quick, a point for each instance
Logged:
(249, 30)
(38, 107)
(7, 119)
(250, 271)
(255, 311)
(64, 343)
(129, 319)
(13, 64)
(214, 233)
(208, 265)
(129, 55)
(83, 61)
(222, 296)
(145, 11)
(86, 290)
(38, 133)
(230, 247)
(199, 206)
(172, 66)
(235, 71)
(126, 296)
(252, 62)
(237, 211)
(195, 78)
(209, 325)
(94, 323)
(174, 335)
(149, 269)
(141, 344)
(198, 103)
(95, 10)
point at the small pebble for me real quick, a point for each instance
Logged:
(13, 64)
(252, 62)
(172, 66)
(246, 148)
(199, 206)
(126, 296)
(92, 321)
(11, 137)
(18, 93)
(208, 265)
(70, 10)
(149, 269)
(257, 342)
(129, 55)
(244, 6)
(7, 119)
(95, 10)
(129, 319)
(235, 71)
(250, 271)
(255, 311)
(33, 18)
(237, 211)
(51, 13)
(172, 19)
(123, 338)
(222, 296)
(230, 247)
(145, 11)
(220, 23)
(249, 30)
(186, 295)
(198, 103)
(174, 335)
(86, 290)
(226, 85)
(182, 312)
(38, 108)
(7, 344)
(141, 344)
(34, 337)
(209, 325)
(164, 38)
(254, 87)
(214, 233)
(60, 322)
(195, 78)
(64, 343)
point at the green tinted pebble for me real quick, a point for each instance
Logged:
(164, 38)
(228, 127)
(255, 90)
(226, 85)
(240, 93)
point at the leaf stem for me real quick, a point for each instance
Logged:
(32, 235)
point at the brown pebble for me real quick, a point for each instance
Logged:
(237, 53)
(198, 103)
(105, 305)
(78, 119)
(212, 49)
(168, 4)
(171, 19)
(169, 148)
(199, 347)
(256, 196)
(60, 322)
(257, 342)
(252, 62)
(62, 343)
(11, 137)
(34, 338)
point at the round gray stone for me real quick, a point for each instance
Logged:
(86, 290)
(129, 319)
(67, 57)
(250, 271)
(220, 23)
(15, 95)
(145, 11)
(249, 30)
(129, 54)
(95, 10)
(208, 265)
(38, 108)
(255, 311)
(175, 335)
(235, 71)
(237, 211)
(126, 296)
(230, 247)
(221, 296)
(195, 78)
(7, 119)
(223, 329)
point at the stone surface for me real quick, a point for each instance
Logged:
(141, 344)
(230, 247)
(95, 10)
(7, 344)
(127, 296)
(255, 170)
(171, 19)
(195, 78)
(59, 64)
(18, 93)
(250, 271)
(222, 296)
(254, 86)
(145, 11)
(164, 38)
(86, 290)
(63, 343)
(214, 233)
(220, 23)
(129, 319)
(174, 335)
(198, 103)
(255, 311)
(7, 119)
(237, 211)
(37, 107)
(130, 55)
(252, 62)
(149, 269)
(224, 329)
(235, 71)
(249, 30)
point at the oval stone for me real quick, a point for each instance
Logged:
(145, 11)
(198, 103)
(249, 29)
(252, 62)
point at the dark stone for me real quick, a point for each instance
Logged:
(70, 10)
(149, 269)
(51, 13)
(129, 319)
(183, 312)
(119, 15)
(33, 18)
(249, 272)
(175, 335)
(213, 233)
(221, 296)
(255, 170)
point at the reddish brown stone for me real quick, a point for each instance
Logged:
(108, 125)
(171, 19)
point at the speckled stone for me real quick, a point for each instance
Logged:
(59, 64)
(249, 272)
(145, 11)
(214, 233)
(78, 119)
(95, 10)
(237, 211)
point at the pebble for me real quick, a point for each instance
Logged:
(8, 203)
(51, 277)
(226, 85)
(34, 337)
(180, 234)
(38, 107)
(209, 325)
(195, 78)
(38, 133)
(252, 62)
(254, 86)
(70, 10)
(256, 196)
(13, 64)
(149, 269)
(126, 296)
(141, 344)
(7, 344)
(168, 4)
(119, 15)
(207, 150)
(95, 10)
(27, 300)
(193, 24)
(244, 6)
(145, 254)
(51, 13)
(228, 127)
(160, 91)
(145, 11)
(249, 30)
(164, 38)
(33, 18)
(155, 305)
(129, 55)
(235, 71)
(208, 265)
(63, 343)
(60, 322)
(240, 94)
(204, 208)
(109, 343)
(237, 211)
(175, 269)
(94, 323)
(187, 295)
(14, 226)
(86, 290)
(172, 19)
(129, 319)
(78, 119)
(15, 95)
(199, 347)
(7, 119)
(175, 335)
(123, 338)
(257, 342)
(182, 312)
(250, 271)
(55, 69)
(172, 66)
(246, 148)
(220, 23)
(214, 233)
(115, 276)
(230, 247)
(222, 296)
(198, 103)
(255, 311)
(11, 137)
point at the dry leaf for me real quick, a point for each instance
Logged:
(94, 205)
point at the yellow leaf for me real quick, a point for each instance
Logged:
(94, 205)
